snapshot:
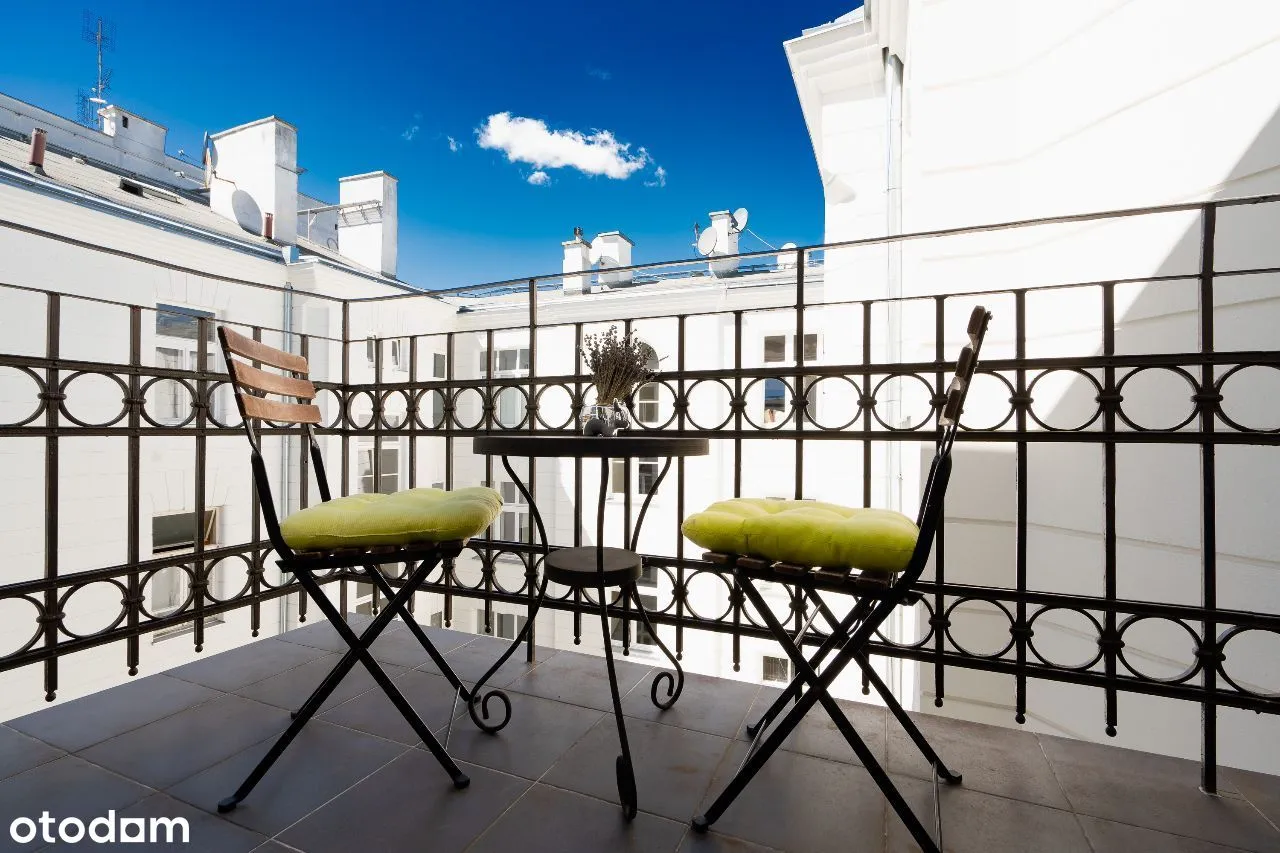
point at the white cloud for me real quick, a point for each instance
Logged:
(528, 140)
(539, 178)
(409, 134)
(659, 178)
(600, 74)
(454, 145)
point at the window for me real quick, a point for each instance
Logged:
(124, 120)
(176, 533)
(172, 402)
(776, 669)
(388, 463)
(639, 633)
(438, 365)
(513, 525)
(775, 348)
(646, 475)
(505, 361)
(647, 396)
(782, 349)
(505, 625)
(437, 619)
(399, 354)
(173, 321)
(371, 351)
(775, 403)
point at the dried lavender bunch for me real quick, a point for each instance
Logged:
(618, 363)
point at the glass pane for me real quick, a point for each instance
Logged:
(370, 349)
(776, 669)
(775, 348)
(507, 359)
(508, 492)
(484, 362)
(438, 365)
(774, 400)
(648, 475)
(509, 407)
(524, 359)
(618, 476)
(176, 322)
(648, 412)
(810, 347)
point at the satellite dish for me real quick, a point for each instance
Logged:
(739, 219)
(707, 242)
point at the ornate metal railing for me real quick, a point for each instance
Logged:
(431, 409)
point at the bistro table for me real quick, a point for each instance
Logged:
(595, 566)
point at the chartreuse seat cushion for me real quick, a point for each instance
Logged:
(413, 516)
(809, 533)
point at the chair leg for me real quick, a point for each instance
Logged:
(438, 659)
(675, 684)
(818, 692)
(357, 651)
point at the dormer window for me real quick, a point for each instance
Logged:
(124, 121)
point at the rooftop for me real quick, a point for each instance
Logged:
(173, 744)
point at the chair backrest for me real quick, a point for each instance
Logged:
(949, 420)
(252, 385)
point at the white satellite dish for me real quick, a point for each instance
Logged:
(707, 242)
(739, 219)
(596, 255)
(787, 256)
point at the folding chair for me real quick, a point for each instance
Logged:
(876, 592)
(418, 527)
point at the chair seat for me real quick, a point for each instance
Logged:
(414, 516)
(810, 533)
(577, 567)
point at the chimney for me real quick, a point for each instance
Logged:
(577, 259)
(368, 221)
(36, 160)
(612, 249)
(726, 242)
(132, 133)
(255, 173)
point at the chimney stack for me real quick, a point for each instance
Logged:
(368, 221)
(726, 242)
(614, 250)
(255, 173)
(36, 160)
(577, 259)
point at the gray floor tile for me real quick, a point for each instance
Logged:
(68, 787)
(430, 695)
(402, 648)
(242, 666)
(1109, 837)
(1261, 789)
(1005, 762)
(205, 833)
(19, 753)
(1153, 791)
(716, 842)
(318, 633)
(540, 732)
(408, 805)
(973, 822)
(798, 802)
(673, 767)
(716, 706)
(275, 847)
(161, 753)
(818, 736)
(473, 660)
(83, 722)
(549, 820)
(580, 680)
(291, 688)
(322, 762)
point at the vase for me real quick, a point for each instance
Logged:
(598, 420)
(620, 417)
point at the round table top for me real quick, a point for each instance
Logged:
(618, 446)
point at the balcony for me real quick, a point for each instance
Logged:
(173, 744)
(1104, 572)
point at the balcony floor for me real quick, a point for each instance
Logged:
(173, 744)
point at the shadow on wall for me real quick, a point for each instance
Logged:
(1158, 499)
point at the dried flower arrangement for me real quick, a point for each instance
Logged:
(618, 363)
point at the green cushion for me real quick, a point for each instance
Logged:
(809, 533)
(402, 518)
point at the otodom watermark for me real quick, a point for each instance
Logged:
(101, 830)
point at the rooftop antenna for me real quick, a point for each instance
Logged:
(101, 33)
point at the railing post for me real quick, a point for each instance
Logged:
(53, 396)
(531, 410)
(1207, 400)
(200, 572)
(133, 526)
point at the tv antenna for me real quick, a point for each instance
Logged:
(101, 33)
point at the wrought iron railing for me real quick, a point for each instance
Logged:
(420, 408)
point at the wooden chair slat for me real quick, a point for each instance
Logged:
(258, 351)
(273, 383)
(278, 412)
(965, 365)
(952, 410)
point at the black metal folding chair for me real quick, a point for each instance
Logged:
(876, 595)
(251, 385)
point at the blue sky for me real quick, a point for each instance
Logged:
(421, 89)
